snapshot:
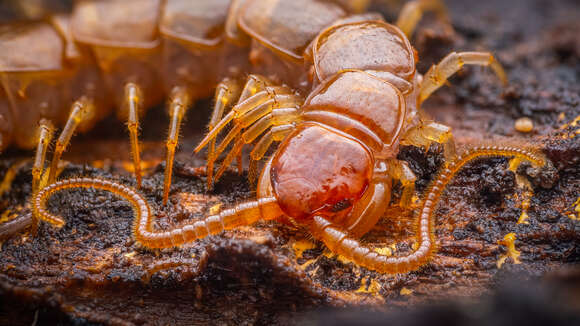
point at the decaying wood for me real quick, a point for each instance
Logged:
(92, 270)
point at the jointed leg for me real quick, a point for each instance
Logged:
(255, 114)
(134, 101)
(413, 11)
(439, 73)
(81, 110)
(400, 170)
(428, 132)
(241, 109)
(279, 120)
(243, 214)
(45, 133)
(180, 102)
(226, 93)
(249, 109)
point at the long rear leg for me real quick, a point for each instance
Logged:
(134, 103)
(81, 110)
(179, 104)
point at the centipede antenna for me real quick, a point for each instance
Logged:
(439, 73)
(339, 242)
(413, 11)
(133, 103)
(80, 111)
(242, 214)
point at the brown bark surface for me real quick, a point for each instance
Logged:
(91, 270)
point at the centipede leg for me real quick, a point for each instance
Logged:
(133, 103)
(413, 11)
(254, 84)
(238, 110)
(339, 241)
(81, 110)
(400, 170)
(179, 103)
(249, 111)
(276, 133)
(266, 109)
(45, 134)
(453, 62)
(242, 214)
(226, 93)
(428, 132)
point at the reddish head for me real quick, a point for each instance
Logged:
(319, 170)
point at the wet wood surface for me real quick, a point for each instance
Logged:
(91, 270)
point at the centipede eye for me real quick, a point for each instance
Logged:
(341, 205)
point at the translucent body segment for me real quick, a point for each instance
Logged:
(414, 10)
(427, 132)
(400, 170)
(198, 22)
(134, 102)
(179, 104)
(386, 49)
(45, 134)
(21, 44)
(439, 73)
(375, 104)
(128, 23)
(143, 231)
(81, 110)
(264, 187)
(274, 23)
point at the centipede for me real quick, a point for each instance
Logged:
(335, 86)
